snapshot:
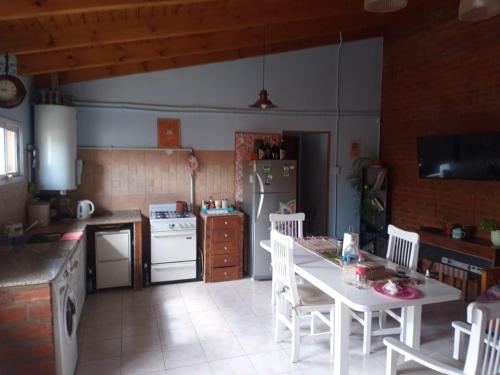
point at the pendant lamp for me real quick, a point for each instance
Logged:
(384, 6)
(478, 10)
(263, 102)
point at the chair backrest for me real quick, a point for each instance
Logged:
(282, 262)
(403, 247)
(288, 224)
(483, 353)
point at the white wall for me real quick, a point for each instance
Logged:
(212, 103)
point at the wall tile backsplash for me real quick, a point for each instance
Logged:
(126, 179)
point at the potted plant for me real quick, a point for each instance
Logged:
(489, 224)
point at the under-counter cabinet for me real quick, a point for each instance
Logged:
(113, 258)
(222, 245)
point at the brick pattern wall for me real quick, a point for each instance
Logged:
(440, 76)
(26, 333)
(118, 180)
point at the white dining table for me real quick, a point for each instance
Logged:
(328, 277)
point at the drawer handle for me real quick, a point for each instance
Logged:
(225, 247)
(225, 235)
(225, 260)
(225, 273)
(225, 222)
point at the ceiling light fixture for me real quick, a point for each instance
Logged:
(263, 102)
(385, 6)
(478, 10)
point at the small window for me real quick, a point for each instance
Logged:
(10, 150)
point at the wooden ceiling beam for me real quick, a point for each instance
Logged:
(21, 9)
(44, 81)
(90, 57)
(199, 19)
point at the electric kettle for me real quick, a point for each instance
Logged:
(84, 209)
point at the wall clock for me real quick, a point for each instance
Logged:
(12, 90)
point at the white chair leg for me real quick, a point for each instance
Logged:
(382, 319)
(273, 287)
(313, 324)
(458, 344)
(295, 336)
(277, 324)
(332, 324)
(390, 366)
(367, 332)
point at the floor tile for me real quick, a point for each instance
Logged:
(141, 343)
(222, 348)
(100, 349)
(141, 363)
(109, 366)
(184, 355)
(200, 369)
(180, 336)
(271, 362)
(233, 366)
(139, 327)
(227, 330)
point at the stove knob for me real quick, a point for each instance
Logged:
(171, 225)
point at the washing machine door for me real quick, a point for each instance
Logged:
(69, 314)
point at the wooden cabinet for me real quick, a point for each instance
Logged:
(221, 239)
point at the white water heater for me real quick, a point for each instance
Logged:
(55, 142)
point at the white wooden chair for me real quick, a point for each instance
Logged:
(290, 225)
(304, 299)
(402, 250)
(483, 352)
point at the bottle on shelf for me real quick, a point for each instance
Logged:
(267, 151)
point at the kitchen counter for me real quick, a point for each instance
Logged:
(40, 263)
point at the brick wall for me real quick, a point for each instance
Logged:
(26, 338)
(440, 76)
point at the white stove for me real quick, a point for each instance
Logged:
(173, 244)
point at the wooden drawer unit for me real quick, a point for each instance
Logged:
(224, 248)
(229, 235)
(225, 222)
(222, 244)
(226, 273)
(225, 260)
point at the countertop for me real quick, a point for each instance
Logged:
(234, 213)
(40, 263)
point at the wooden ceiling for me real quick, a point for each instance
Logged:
(89, 39)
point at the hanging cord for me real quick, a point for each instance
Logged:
(337, 137)
(6, 64)
(264, 61)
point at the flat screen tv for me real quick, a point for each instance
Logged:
(460, 156)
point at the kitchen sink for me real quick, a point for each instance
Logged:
(44, 237)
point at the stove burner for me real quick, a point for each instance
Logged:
(170, 215)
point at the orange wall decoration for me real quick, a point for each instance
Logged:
(169, 133)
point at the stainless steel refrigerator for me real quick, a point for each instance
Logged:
(269, 186)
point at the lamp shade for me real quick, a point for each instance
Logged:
(384, 6)
(478, 10)
(263, 102)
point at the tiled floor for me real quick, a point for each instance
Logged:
(219, 328)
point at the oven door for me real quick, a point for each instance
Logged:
(174, 246)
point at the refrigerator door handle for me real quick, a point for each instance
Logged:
(261, 184)
(261, 195)
(261, 201)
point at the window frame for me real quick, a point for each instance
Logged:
(14, 125)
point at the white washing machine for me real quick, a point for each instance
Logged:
(65, 323)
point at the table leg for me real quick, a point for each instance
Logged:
(412, 324)
(341, 348)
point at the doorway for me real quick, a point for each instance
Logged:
(312, 152)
